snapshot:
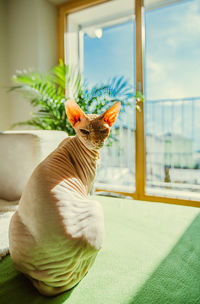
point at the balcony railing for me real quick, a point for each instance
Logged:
(117, 167)
(172, 149)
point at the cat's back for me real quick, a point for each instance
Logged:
(57, 232)
(57, 259)
(46, 176)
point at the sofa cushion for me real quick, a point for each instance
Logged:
(20, 153)
(8, 206)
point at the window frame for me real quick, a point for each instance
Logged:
(63, 10)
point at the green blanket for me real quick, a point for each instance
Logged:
(151, 255)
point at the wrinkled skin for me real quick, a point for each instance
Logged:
(57, 231)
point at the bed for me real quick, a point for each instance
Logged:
(151, 255)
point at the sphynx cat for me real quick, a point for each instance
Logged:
(56, 233)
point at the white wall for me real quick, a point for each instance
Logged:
(4, 67)
(47, 34)
(31, 42)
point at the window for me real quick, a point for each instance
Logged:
(173, 100)
(104, 39)
(161, 139)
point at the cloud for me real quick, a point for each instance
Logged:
(185, 21)
(154, 66)
(161, 82)
(172, 43)
(183, 25)
(173, 57)
(191, 21)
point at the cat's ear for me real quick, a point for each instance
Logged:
(74, 112)
(111, 114)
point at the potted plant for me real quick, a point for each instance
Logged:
(48, 92)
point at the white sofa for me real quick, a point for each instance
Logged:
(20, 153)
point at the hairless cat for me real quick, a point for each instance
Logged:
(56, 233)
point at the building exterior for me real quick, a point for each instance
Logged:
(178, 151)
(163, 154)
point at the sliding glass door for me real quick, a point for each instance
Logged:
(172, 91)
(153, 153)
(106, 55)
(110, 60)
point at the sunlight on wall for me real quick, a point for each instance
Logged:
(30, 29)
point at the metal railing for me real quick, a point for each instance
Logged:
(117, 166)
(172, 147)
(173, 127)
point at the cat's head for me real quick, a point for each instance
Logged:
(91, 129)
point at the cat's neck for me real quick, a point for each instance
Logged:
(84, 161)
(91, 152)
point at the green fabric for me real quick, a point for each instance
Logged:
(151, 255)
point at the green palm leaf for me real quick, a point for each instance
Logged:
(48, 93)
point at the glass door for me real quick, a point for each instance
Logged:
(172, 90)
(105, 36)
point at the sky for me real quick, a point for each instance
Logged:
(112, 55)
(171, 70)
(173, 51)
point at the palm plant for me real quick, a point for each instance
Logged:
(48, 92)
